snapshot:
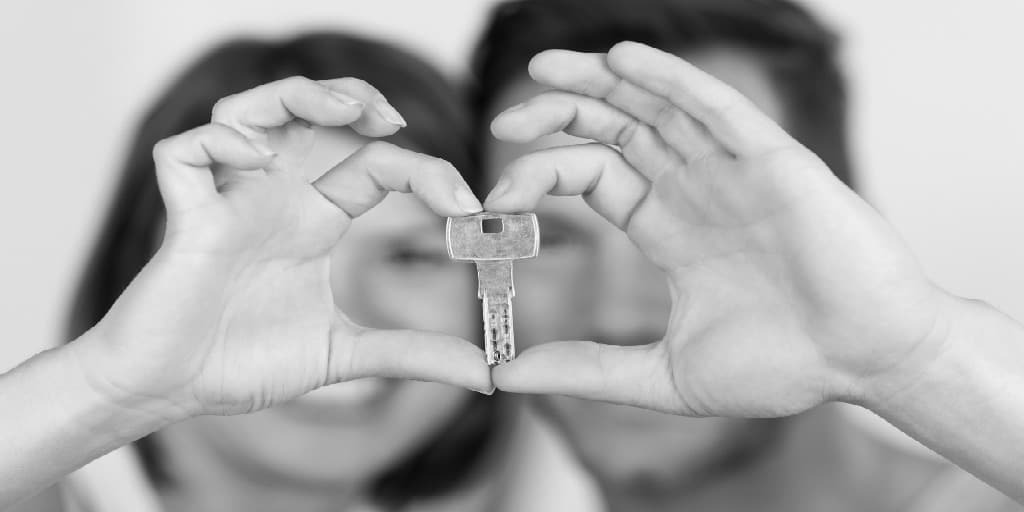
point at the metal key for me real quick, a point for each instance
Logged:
(493, 241)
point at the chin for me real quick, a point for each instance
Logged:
(636, 448)
(346, 434)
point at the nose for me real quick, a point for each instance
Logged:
(631, 301)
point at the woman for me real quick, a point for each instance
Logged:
(380, 442)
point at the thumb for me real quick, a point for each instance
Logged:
(633, 375)
(358, 352)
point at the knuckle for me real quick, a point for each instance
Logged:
(354, 84)
(377, 147)
(432, 168)
(222, 108)
(438, 166)
(352, 81)
(296, 81)
(163, 149)
(626, 132)
(665, 114)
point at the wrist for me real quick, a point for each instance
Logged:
(62, 422)
(937, 357)
(966, 402)
(106, 382)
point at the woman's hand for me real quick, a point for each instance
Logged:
(788, 289)
(235, 313)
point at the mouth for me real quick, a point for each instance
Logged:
(345, 402)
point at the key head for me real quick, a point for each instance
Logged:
(493, 236)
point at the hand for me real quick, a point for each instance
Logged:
(235, 312)
(788, 290)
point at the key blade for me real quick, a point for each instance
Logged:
(499, 338)
(495, 289)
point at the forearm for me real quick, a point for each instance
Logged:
(968, 404)
(54, 420)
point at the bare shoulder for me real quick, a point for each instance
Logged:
(47, 501)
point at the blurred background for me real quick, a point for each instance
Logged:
(937, 113)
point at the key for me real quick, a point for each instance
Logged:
(493, 241)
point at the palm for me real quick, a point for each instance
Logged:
(275, 234)
(260, 310)
(769, 274)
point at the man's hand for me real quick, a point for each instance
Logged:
(788, 289)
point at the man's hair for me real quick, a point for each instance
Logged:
(439, 125)
(797, 51)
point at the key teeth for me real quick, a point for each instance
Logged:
(499, 356)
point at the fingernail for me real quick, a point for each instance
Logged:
(488, 392)
(499, 189)
(467, 201)
(515, 107)
(263, 149)
(346, 99)
(388, 112)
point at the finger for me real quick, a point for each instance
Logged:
(379, 118)
(597, 172)
(272, 105)
(631, 375)
(588, 74)
(728, 115)
(589, 118)
(296, 138)
(409, 355)
(183, 163)
(362, 180)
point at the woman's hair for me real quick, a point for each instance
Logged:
(439, 125)
(797, 51)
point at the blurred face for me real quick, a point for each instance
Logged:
(390, 270)
(590, 283)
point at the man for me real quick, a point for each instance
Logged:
(591, 281)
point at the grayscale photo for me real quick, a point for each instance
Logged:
(512, 256)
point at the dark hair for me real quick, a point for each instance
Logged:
(797, 51)
(438, 125)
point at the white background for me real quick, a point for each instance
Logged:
(937, 113)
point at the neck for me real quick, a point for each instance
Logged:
(203, 480)
(820, 463)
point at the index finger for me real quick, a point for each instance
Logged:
(595, 171)
(340, 102)
(363, 179)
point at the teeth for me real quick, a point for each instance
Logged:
(347, 393)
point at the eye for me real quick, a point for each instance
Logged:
(414, 256)
(557, 237)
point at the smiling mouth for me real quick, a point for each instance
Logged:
(346, 402)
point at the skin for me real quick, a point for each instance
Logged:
(784, 290)
(247, 251)
(603, 288)
(391, 270)
(787, 290)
